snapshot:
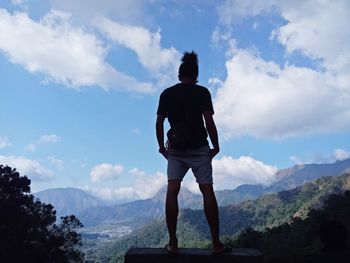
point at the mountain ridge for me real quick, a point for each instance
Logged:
(264, 212)
(69, 200)
(142, 211)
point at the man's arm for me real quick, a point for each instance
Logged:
(160, 135)
(212, 131)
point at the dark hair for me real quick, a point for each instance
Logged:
(189, 65)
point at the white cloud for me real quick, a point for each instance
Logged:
(144, 186)
(105, 171)
(162, 62)
(49, 138)
(262, 99)
(229, 173)
(136, 131)
(218, 36)
(318, 28)
(341, 154)
(44, 139)
(336, 155)
(18, 2)
(30, 147)
(57, 162)
(295, 159)
(4, 142)
(147, 185)
(64, 53)
(126, 11)
(33, 169)
(118, 194)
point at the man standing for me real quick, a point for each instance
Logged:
(187, 104)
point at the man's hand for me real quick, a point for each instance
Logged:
(213, 152)
(164, 152)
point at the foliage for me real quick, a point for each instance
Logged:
(298, 238)
(27, 227)
(275, 223)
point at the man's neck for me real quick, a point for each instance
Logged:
(188, 81)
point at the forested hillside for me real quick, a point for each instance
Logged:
(265, 212)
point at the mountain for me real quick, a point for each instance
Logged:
(68, 201)
(286, 179)
(300, 174)
(93, 212)
(136, 212)
(241, 193)
(267, 211)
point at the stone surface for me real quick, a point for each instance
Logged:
(192, 255)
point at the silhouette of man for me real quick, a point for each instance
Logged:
(189, 103)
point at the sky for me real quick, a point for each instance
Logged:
(80, 83)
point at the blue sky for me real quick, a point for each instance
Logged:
(81, 82)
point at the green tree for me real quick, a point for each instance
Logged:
(28, 229)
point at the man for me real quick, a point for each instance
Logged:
(189, 103)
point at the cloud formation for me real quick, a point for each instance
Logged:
(44, 139)
(122, 194)
(147, 185)
(230, 173)
(63, 53)
(49, 138)
(57, 162)
(126, 11)
(105, 172)
(33, 169)
(337, 155)
(341, 154)
(263, 99)
(144, 186)
(4, 142)
(161, 62)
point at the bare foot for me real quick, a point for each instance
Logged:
(172, 247)
(220, 249)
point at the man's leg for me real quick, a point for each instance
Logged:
(212, 214)
(172, 211)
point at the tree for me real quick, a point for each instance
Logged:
(28, 228)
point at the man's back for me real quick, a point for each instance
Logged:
(186, 103)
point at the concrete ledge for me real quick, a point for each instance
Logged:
(192, 255)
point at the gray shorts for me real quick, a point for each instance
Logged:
(199, 160)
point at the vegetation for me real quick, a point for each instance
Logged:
(272, 223)
(298, 238)
(28, 228)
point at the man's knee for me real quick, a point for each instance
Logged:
(206, 189)
(174, 186)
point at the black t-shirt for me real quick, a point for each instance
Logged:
(182, 100)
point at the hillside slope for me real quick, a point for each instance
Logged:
(264, 212)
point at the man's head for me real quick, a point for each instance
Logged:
(188, 70)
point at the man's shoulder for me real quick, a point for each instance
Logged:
(202, 90)
(178, 88)
(171, 89)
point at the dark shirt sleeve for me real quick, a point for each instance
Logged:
(206, 103)
(162, 106)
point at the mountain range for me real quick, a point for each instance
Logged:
(92, 211)
(68, 201)
(265, 212)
